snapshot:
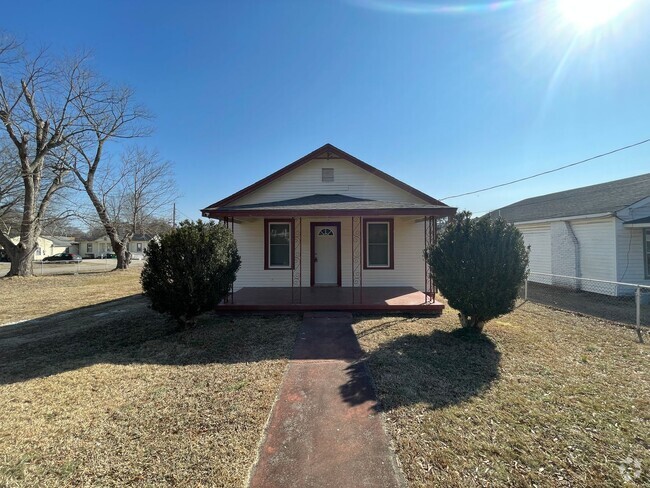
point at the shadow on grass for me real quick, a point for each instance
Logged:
(440, 369)
(126, 331)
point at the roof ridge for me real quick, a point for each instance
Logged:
(312, 155)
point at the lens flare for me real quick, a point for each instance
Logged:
(588, 14)
(428, 7)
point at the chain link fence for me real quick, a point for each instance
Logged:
(50, 268)
(625, 303)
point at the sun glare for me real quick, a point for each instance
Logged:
(588, 14)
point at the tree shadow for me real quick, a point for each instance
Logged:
(127, 331)
(440, 369)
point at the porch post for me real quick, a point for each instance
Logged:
(232, 285)
(357, 257)
(434, 238)
(228, 299)
(429, 240)
(425, 226)
(296, 269)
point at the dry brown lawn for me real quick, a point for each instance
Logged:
(27, 298)
(544, 398)
(115, 395)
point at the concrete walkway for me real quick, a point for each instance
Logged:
(324, 430)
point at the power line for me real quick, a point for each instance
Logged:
(549, 171)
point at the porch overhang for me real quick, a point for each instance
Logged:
(329, 205)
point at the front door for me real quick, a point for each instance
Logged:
(325, 254)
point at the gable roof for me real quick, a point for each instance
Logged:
(603, 198)
(327, 148)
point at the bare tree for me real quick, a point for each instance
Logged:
(39, 113)
(149, 187)
(134, 195)
(10, 188)
(56, 113)
(113, 116)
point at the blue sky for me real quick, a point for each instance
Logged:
(447, 102)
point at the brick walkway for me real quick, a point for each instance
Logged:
(324, 430)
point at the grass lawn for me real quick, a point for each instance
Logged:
(27, 298)
(113, 394)
(544, 398)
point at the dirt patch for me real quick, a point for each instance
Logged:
(544, 398)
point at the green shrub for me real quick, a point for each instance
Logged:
(479, 265)
(190, 270)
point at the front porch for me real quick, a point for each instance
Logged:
(372, 298)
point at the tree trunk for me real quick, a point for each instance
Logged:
(21, 257)
(123, 257)
(470, 322)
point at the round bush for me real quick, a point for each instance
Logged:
(190, 270)
(479, 265)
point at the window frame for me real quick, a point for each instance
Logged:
(646, 252)
(267, 243)
(327, 171)
(89, 247)
(391, 242)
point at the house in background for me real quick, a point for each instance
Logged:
(599, 232)
(49, 245)
(331, 231)
(98, 248)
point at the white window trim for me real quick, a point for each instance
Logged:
(268, 244)
(388, 250)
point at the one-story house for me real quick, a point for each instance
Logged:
(99, 247)
(599, 232)
(331, 231)
(49, 245)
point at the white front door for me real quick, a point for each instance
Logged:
(325, 255)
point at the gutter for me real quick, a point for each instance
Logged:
(566, 219)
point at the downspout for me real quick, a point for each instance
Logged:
(576, 247)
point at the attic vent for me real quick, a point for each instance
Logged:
(328, 175)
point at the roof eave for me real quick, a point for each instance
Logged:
(561, 219)
(436, 212)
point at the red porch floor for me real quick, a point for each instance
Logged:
(393, 299)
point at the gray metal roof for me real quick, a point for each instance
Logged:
(595, 199)
(330, 202)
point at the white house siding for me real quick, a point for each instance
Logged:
(596, 238)
(408, 267)
(538, 237)
(45, 248)
(103, 245)
(583, 248)
(349, 180)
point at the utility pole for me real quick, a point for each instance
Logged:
(174, 216)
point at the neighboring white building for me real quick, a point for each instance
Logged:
(48, 246)
(329, 220)
(98, 248)
(599, 231)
